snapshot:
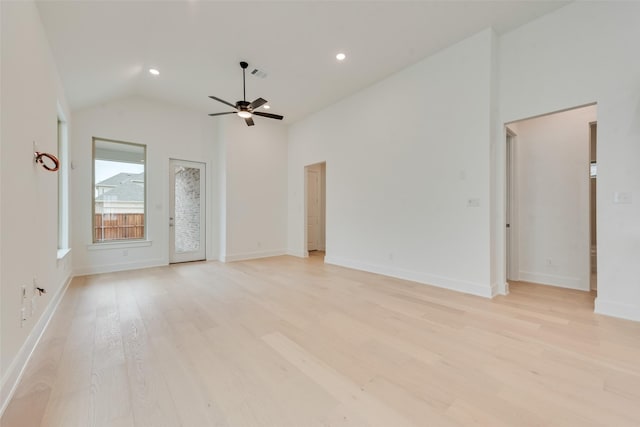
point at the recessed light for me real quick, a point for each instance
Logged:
(154, 71)
(266, 106)
(341, 56)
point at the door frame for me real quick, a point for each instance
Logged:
(593, 199)
(323, 204)
(511, 208)
(187, 256)
(501, 249)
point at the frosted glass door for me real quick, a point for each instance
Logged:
(186, 221)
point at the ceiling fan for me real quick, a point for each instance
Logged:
(243, 108)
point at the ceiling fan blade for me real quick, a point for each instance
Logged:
(222, 114)
(249, 121)
(223, 101)
(257, 103)
(268, 115)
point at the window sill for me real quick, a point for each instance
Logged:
(118, 245)
(62, 253)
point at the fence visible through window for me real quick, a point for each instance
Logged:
(121, 226)
(119, 191)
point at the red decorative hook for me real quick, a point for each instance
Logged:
(39, 159)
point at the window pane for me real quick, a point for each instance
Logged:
(187, 209)
(119, 192)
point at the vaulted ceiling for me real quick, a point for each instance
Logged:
(103, 49)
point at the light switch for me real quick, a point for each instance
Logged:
(473, 203)
(622, 197)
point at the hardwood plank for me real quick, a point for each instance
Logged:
(286, 341)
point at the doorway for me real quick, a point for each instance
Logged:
(187, 211)
(550, 203)
(315, 217)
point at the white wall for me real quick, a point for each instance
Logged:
(552, 167)
(255, 188)
(580, 54)
(403, 158)
(169, 132)
(246, 181)
(30, 91)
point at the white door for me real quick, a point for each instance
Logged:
(313, 209)
(511, 241)
(186, 211)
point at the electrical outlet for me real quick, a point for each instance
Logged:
(23, 317)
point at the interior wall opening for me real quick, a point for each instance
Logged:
(315, 209)
(551, 200)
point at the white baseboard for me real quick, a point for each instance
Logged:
(415, 276)
(111, 268)
(554, 280)
(14, 373)
(253, 255)
(617, 309)
(301, 254)
(506, 288)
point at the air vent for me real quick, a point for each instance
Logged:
(259, 73)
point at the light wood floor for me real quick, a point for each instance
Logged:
(292, 342)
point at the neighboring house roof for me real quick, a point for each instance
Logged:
(127, 192)
(121, 178)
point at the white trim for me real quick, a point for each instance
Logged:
(120, 244)
(617, 309)
(554, 280)
(299, 254)
(496, 290)
(415, 276)
(111, 268)
(505, 288)
(62, 253)
(252, 255)
(15, 371)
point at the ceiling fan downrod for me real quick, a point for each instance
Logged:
(244, 66)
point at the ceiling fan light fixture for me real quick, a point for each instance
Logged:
(245, 109)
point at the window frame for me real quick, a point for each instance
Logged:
(63, 186)
(93, 194)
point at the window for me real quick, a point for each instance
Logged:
(119, 191)
(63, 188)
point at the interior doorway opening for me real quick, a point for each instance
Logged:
(315, 208)
(550, 234)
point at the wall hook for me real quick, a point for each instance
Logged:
(39, 158)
